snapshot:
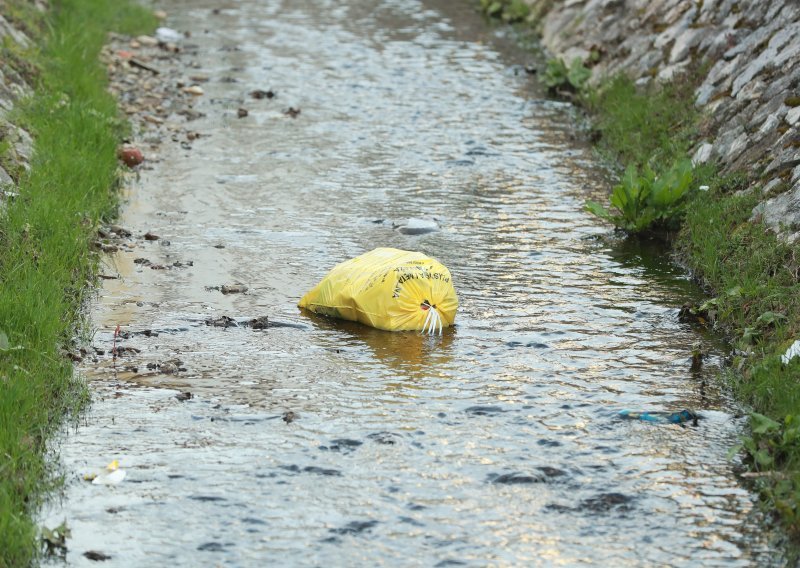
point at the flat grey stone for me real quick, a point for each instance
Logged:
(702, 154)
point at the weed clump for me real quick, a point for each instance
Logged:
(509, 11)
(646, 202)
(558, 77)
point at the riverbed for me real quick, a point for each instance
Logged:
(318, 442)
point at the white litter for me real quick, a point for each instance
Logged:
(168, 35)
(112, 478)
(416, 226)
(791, 353)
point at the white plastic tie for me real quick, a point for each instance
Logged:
(433, 322)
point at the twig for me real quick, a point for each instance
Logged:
(114, 350)
(141, 65)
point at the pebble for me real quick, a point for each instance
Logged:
(194, 90)
(147, 41)
(233, 289)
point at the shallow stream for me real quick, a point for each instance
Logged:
(325, 443)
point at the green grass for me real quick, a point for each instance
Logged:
(45, 258)
(655, 125)
(756, 280)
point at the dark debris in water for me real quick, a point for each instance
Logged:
(206, 498)
(259, 323)
(483, 410)
(322, 471)
(261, 94)
(343, 445)
(410, 521)
(600, 503)
(211, 547)
(607, 501)
(123, 351)
(384, 438)
(515, 478)
(96, 556)
(311, 469)
(222, 321)
(355, 527)
(236, 288)
(551, 471)
(533, 344)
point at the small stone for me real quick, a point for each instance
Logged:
(148, 236)
(184, 396)
(130, 156)
(702, 154)
(194, 90)
(6, 179)
(770, 124)
(168, 35)
(233, 289)
(160, 14)
(752, 91)
(793, 116)
(120, 231)
(738, 146)
(259, 323)
(770, 185)
(96, 556)
(147, 41)
(222, 321)
(259, 94)
(242, 112)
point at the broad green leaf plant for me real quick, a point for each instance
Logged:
(559, 76)
(647, 202)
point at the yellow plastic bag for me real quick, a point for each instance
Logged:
(389, 289)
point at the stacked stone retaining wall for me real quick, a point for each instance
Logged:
(750, 93)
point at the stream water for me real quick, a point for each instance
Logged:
(496, 444)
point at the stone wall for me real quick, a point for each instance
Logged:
(16, 145)
(750, 94)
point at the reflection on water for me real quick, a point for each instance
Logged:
(329, 443)
(410, 354)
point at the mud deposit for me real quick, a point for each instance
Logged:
(250, 432)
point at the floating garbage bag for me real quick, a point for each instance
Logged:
(663, 417)
(390, 289)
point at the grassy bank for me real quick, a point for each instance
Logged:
(45, 238)
(752, 276)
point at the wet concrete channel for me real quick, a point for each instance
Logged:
(327, 443)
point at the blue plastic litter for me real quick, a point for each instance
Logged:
(662, 417)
